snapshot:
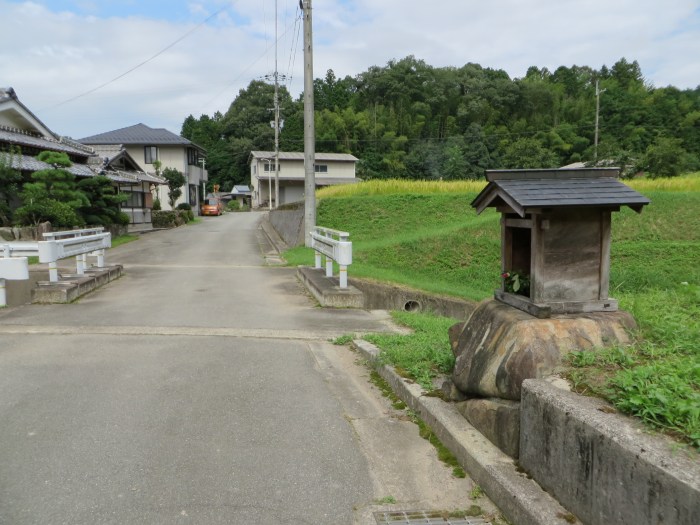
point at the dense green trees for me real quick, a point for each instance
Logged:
(411, 120)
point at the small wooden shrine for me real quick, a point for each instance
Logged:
(555, 236)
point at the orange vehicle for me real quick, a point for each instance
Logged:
(212, 206)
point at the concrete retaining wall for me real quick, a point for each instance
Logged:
(77, 285)
(20, 292)
(602, 466)
(289, 224)
(384, 296)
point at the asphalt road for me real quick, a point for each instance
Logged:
(200, 388)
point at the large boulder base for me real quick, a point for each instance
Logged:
(497, 419)
(499, 346)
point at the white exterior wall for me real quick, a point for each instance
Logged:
(291, 191)
(172, 157)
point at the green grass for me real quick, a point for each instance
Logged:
(422, 355)
(123, 239)
(434, 241)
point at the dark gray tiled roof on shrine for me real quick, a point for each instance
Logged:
(525, 190)
(138, 134)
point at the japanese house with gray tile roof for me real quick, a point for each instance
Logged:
(23, 136)
(22, 132)
(330, 169)
(139, 186)
(144, 145)
(556, 234)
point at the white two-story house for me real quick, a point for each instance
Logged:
(330, 169)
(146, 145)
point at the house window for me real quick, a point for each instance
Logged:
(134, 200)
(270, 166)
(192, 157)
(321, 168)
(150, 154)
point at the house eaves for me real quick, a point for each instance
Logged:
(29, 163)
(139, 134)
(296, 155)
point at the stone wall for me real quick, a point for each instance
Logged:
(34, 233)
(24, 233)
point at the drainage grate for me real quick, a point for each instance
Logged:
(423, 517)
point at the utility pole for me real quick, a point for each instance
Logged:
(309, 128)
(203, 162)
(598, 91)
(277, 122)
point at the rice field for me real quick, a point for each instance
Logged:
(690, 182)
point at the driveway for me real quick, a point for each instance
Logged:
(200, 388)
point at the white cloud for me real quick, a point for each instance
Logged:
(50, 58)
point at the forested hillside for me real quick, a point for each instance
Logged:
(411, 120)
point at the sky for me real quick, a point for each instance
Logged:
(85, 67)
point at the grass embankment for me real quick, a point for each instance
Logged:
(426, 235)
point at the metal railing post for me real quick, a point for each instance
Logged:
(335, 246)
(53, 271)
(80, 264)
(329, 267)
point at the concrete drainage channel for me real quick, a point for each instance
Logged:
(423, 517)
(589, 451)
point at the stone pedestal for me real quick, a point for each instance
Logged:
(499, 346)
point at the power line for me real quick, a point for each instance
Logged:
(188, 33)
(295, 47)
(237, 78)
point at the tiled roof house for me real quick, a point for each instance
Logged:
(330, 169)
(23, 136)
(144, 145)
(22, 132)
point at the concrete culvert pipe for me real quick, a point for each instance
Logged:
(412, 306)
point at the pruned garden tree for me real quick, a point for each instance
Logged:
(103, 207)
(10, 179)
(176, 180)
(53, 195)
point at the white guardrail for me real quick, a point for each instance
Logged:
(12, 269)
(335, 246)
(59, 245)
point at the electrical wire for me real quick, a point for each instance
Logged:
(237, 78)
(141, 64)
(295, 47)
